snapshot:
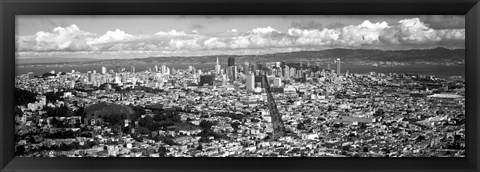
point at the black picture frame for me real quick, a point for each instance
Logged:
(10, 8)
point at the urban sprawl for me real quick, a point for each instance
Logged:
(276, 109)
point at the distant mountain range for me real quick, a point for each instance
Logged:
(437, 55)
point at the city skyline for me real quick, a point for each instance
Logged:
(240, 86)
(116, 36)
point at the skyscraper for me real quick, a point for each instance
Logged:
(164, 69)
(250, 81)
(231, 61)
(91, 77)
(217, 67)
(338, 66)
(277, 82)
(104, 70)
(246, 68)
(232, 73)
(132, 69)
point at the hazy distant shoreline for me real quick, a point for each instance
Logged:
(440, 71)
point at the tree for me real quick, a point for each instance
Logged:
(23, 97)
(53, 97)
(235, 125)
(301, 126)
(206, 124)
(162, 151)
(80, 112)
(200, 147)
(365, 149)
(20, 150)
(139, 111)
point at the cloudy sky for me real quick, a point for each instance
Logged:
(146, 36)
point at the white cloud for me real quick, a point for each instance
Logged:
(69, 38)
(451, 34)
(171, 33)
(410, 32)
(117, 35)
(264, 30)
(366, 33)
(405, 33)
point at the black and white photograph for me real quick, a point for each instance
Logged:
(240, 86)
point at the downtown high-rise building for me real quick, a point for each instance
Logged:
(132, 69)
(164, 69)
(232, 73)
(277, 82)
(250, 81)
(246, 68)
(338, 66)
(91, 77)
(231, 61)
(217, 67)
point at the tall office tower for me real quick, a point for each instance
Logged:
(328, 67)
(89, 76)
(155, 68)
(338, 66)
(132, 69)
(250, 81)
(308, 64)
(280, 72)
(231, 61)
(118, 79)
(286, 72)
(104, 70)
(293, 71)
(92, 77)
(190, 68)
(233, 73)
(253, 67)
(277, 82)
(124, 78)
(164, 69)
(246, 68)
(217, 67)
(30, 75)
(277, 64)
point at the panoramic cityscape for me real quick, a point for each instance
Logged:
(320, 86)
